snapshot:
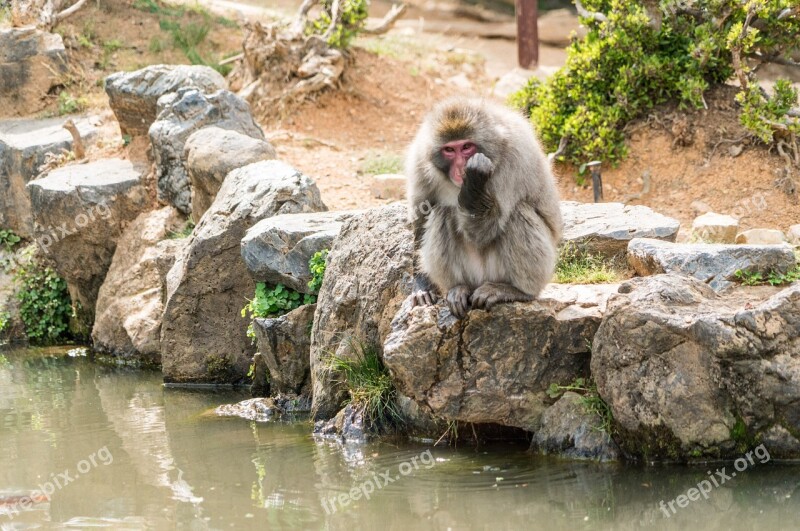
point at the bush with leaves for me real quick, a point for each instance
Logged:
(352, 18)
(8, 239)
(640, 54)
(44, 303)
(317, 267)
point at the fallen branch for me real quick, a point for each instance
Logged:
(387, 22)
(233, 59)
(562, 147)
(57, 19)
(599, 17)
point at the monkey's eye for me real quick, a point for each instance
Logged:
(448, 150)
(468, 147)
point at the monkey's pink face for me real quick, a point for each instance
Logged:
(457, 153)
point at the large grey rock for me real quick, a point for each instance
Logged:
(203, 335)
(23, 147)
(368, 275)
(130, 301)
(495, 367)
(285, 344)
(133, 96)
(276, 250)
(570, 429)
(714, 264)
(715, 228)
(211, 153)
(688, 372)
(180, 114)
(606, 228)
(31, 62)
(80, 211)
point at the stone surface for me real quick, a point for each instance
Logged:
(369, 274)
(203, 334)
(130, 301)
(80, 211)
(276, 250)
(714, 264)
(285, 345)
(264, 409)
(495, 367)
(794, 235)
(715, 228)
(691, 373)
(31, 62)
(606, 228)
(180, 114)
(133, 96)
(388, 186)
(211, 153)
(349, 426)
(761, 237)
(569, 429)
(23, 147)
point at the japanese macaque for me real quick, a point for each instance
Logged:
(484, 205)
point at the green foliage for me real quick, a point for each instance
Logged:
(369, 385)
(352, 19)
(381, 163)
(68, 104)
(5, 320)
(317, 267)
(219, 367)
(8, 239)
(590, 399)
(576, 266)
(44, 303)
(774, 278)
(185, 232)
(272, 302)
(627, 64)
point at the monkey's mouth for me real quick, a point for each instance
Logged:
(457, 177)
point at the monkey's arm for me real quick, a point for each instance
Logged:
(480, 212)
(423, 289)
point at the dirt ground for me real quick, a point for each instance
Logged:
(681, 163)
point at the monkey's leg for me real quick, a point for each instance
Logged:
(491, 293)
(458, 300)
(423, 293)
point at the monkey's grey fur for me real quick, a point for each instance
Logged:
(493, 239)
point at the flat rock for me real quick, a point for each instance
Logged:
(133, 96)
(285, 343)
(31, 62)
(180, 114)
(715, 228)
(24, 145)
(276, 250)
(264, 409)
(606, 228)
(761, 237)
(714, 264)
(794, 235)
(80, 211)
(203, 336)
(211, 153)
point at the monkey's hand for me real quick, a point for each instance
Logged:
(423, 294)
(458, 300)
(473, 196)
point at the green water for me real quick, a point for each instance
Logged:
(133, 455)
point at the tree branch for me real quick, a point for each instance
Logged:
(599, 17)
(302, 15)
(57, 19)
(388, 21)
(736, 50)
(335, 16)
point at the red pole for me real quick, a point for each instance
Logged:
(527, 33)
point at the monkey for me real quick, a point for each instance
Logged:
(484, 207)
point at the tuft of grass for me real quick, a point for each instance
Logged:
(381, 163)
(69, 104)
(576, 266)
(590, 399)
(773, 278)
(187, 229)
(369, 385)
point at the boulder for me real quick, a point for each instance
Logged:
(714, 264)
(794, 235)
(264, 409)
(24, 145)
(689, 373)
(203, 335)
(80, 211)
(285, 345)
(133, 96)
(570, 429)
(495, 367)
(761, 237)
(211, 153)
(606, 228)
(368, 276)
(180, 114)
(276, 250)
(130, 301)
(31, 62)
(388, 186)
(715, 228)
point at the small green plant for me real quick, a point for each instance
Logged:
(317, 267)
(5, 320)
(774, 278)
(381, 163)
(576, 266)
(68, 104)
(590, 399)
(185, 232)
(218, 367)
(353, 16)
(272, 302)
(369, 385)
(44, 303)
(157, 45)
(4, 363)
(8, 239)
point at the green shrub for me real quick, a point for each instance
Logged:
(273, 302)
(5, 320)
(317, 267)
(44, 303)
(628, 63)
(8, 239)
(69, 104)
(354, 15)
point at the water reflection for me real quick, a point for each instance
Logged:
(176, 466)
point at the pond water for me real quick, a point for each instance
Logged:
(113, 448)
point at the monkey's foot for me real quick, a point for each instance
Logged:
(491, 293)
(422, 297)
(458, 300)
